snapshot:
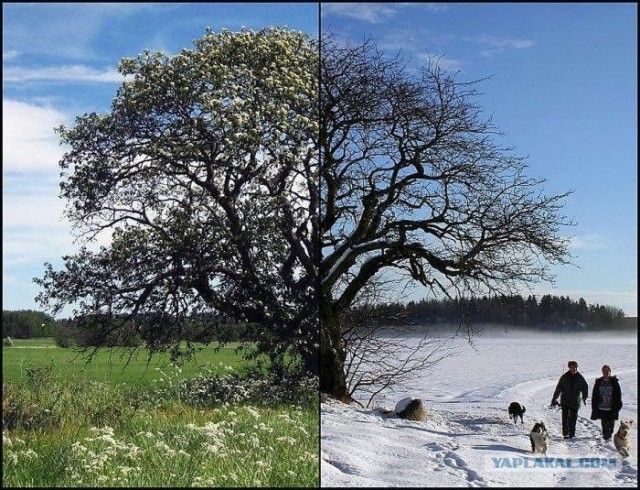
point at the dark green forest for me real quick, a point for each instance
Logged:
(557, 313)
(78, 332)
(26, 324)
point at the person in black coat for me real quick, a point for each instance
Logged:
(571, 386)
(606, 401)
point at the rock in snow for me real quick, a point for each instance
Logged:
(411, 409)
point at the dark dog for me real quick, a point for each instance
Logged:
(539, 438)
(515, 411)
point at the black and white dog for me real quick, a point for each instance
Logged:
(515, 411)
(539, 438)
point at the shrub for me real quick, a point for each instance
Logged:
(64, 336)
(7, 342)
(254, 388)
(30, 405)
(70, 334)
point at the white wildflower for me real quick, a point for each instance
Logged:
(212, 448)
(287, 439)
(29, 453)
(253, 412)
(165, 448)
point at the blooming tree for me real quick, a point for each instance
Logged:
(204, 180)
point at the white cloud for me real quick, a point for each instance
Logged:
(495, 45)
(35, 246)
(365, 12)
(588, 242)
(442, 61)
(374, 13)
(65, 29)
(25, 211)
(10, 55)
(34, 229)
(32, 235)
(25, 249)
(28, 140)
(429, 6)
(70, 73)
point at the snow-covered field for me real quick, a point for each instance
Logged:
(468, 439)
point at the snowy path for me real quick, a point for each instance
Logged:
(468, 431)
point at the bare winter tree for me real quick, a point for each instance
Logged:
(383, 349)
(413, 182)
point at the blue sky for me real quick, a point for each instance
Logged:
(59, 61)
(563, 88)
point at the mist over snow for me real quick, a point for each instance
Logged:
(468, 438)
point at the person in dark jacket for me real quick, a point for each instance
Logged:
(606, 401)
(571, 386)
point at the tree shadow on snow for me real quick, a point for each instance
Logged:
(437, 432)
(500, 447)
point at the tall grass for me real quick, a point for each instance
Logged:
(243, 446)
(78, 431)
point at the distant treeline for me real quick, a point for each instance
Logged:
(78, 332)
(26, 324)
(550, 312)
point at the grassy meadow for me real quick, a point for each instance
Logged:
(68, 423)
(112, 365)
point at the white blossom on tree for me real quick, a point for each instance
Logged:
(206, 174)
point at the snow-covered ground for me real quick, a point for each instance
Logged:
(468, 439)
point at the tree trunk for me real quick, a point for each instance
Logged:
(312, 363)
(332, 357)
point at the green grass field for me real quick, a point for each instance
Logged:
(110, 365)
(107, 423)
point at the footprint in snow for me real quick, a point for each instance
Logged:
(435, 446)
(445, 452)
(452, 460)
